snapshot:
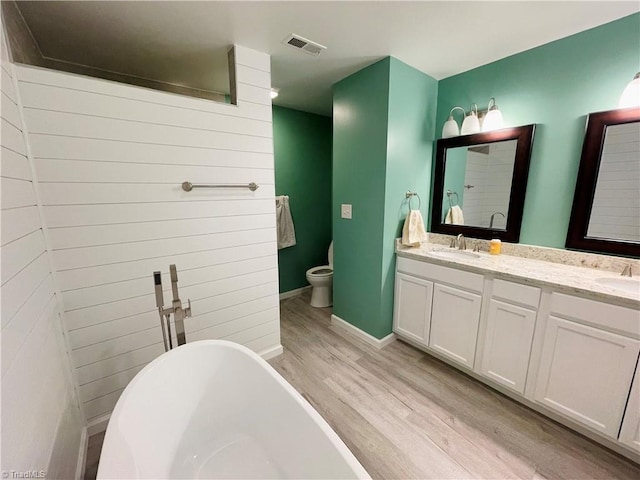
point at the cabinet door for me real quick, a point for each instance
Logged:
(454, 323)
(507, 344)
(412, 310)
(630, 432)
(585, 373)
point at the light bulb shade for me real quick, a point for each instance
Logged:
(450, 128)
(492, 120)
(470, 125)
(631, 95)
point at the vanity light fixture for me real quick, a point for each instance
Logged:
(471, 123)
(631, 95)
(493, 119)
(274, 93)
(451, 128)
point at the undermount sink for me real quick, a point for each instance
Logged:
(454, 254)
(629, 285)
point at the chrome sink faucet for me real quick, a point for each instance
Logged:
(462, 242)
(458, 242)
(493, 216)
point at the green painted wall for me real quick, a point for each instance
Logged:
(456, 168)
(360, 110)
(302, 151)
(383, 127)
(554, 86)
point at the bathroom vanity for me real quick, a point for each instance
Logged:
(562, 339)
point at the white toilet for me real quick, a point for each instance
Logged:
(321, 279)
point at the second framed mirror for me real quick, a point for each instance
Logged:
(480, 183)
(605, 216)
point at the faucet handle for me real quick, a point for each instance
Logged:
(476, 247)
(187, 311)
(454, 243)
(157, 283)
(626, 272)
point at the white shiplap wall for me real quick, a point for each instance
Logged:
(491, 175)
(41, 419)
(476, 176)
(110, 159)
(616, 204)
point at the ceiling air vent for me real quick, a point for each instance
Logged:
(303, 44)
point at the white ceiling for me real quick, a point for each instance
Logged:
(185, 42)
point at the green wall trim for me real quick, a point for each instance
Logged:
(302, 154)
(554, 86)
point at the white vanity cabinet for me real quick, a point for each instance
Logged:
(439, 308)
(569, 357)
(586, 366)
(510, 324)
(454, 323)
(412, 312)
(630, 431)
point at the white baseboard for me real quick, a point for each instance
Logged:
(294, 293)
(362, 335)
(82, 454)
(271, 352)
(98, 425)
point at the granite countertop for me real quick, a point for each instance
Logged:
(562, 277)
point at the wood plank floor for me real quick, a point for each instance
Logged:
(407, 415)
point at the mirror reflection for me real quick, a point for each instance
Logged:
(615, 213)
(477, 184)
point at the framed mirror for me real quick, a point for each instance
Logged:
(480, 182)
(606, 205)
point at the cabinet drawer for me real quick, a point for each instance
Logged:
(516, 293)
(465, 280)
(604, 315)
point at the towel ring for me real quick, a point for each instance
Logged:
(410, 196)
(449, 193)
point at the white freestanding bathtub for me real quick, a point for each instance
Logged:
(215, 409)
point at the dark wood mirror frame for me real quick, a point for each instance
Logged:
(577, 238)
(524, 137)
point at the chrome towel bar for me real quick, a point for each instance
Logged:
(188, 186)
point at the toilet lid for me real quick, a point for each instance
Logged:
(330, 255)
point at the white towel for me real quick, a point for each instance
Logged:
(286, 232)
(454, 216)
(413, 230)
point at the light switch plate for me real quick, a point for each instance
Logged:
(346, 211)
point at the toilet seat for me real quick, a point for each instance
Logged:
(321, 271)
